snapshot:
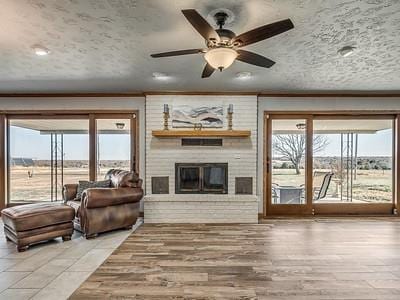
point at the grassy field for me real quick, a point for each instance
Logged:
(37, 187)
(369, 186)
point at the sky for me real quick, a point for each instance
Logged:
(379, 144)
(30, 144)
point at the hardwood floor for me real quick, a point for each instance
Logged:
(280, 259)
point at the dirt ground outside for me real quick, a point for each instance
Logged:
(34, 183)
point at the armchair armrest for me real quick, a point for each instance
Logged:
(102, 197)
(69, 191)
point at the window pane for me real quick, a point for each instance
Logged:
(288, 157)
(113, 145)
(44, 155)
(353, 161)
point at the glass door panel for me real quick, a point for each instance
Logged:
(288, 176)
(43, 155)
(113, 145)
(352, 161)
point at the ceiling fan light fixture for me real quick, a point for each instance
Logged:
(220, 58)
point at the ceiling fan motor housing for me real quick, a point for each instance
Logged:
(225, 39)
(225, 34)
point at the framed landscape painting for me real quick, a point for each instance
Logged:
(185, 116)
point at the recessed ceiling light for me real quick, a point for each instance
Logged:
(346, 51)
(243, 75)
(160, 76)
(40, 50)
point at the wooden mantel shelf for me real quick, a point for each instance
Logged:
(201, 133)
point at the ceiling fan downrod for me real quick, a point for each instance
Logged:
(220, 18)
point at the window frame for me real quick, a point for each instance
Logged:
(311, 208)
(92, 117)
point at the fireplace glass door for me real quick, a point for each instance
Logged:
(214, 178)
(203, 178)
(189, 179)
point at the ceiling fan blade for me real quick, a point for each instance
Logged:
(177, 53)
(254, 59)
(263, 32)
(207, 72)
(201, 25)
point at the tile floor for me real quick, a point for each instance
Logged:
(53, 270)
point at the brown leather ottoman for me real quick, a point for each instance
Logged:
(31, 223)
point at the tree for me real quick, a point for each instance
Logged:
(293, 146)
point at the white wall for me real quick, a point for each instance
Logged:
(308, 105)
(72, 103)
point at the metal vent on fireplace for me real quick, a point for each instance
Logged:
(201, 142)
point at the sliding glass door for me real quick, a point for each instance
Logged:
(349, 170)
(353, 164)
(46, 152)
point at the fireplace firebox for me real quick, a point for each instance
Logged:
(201, 178)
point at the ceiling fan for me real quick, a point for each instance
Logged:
(223, 45)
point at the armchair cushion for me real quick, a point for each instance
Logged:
(102, 197)
(84, 185)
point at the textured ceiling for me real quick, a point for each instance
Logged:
(104, 45)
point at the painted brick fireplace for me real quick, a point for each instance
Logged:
(164, 203)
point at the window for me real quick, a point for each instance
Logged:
(352, 161)
(288, 161)
(327, 164)
(113, 145)
(45, 154)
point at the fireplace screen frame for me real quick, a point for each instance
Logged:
(201, 189)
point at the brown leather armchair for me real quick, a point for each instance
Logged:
(105, 209)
